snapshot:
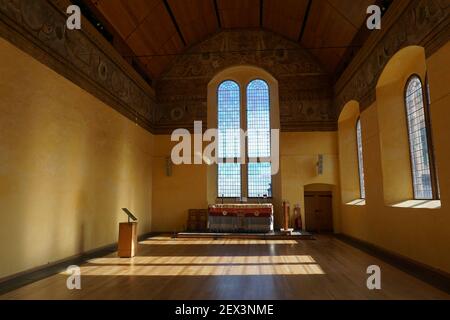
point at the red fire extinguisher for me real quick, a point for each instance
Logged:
(298, 217)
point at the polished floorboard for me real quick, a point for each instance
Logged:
(166, 268)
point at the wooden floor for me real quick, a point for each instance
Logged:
(167, 268)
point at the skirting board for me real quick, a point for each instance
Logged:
(24, 278)
(437, 278)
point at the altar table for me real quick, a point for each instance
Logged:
(240, 217)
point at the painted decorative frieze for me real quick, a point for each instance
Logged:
(304, 88)
(422, 22)
(308, 100)
(39, 28)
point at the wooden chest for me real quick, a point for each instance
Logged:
(197, 220)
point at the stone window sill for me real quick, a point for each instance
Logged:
(418, 204)
(357, 202)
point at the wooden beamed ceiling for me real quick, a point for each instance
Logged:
(157, 30)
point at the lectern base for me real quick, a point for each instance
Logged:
(127, 239)
(288, 231)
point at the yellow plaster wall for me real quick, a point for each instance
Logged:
(298, 157)
(68, 163)
(439, 80)
(174, 195)
(187, 188)
(422, 235)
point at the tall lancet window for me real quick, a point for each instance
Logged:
(258, 137)
(362, 188)
(419, 141)
(228, 153)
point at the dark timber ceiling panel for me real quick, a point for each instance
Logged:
(287, 19)
(331, 26)
(147, 28)
(196, 18)
(157, 30)
(239, 13)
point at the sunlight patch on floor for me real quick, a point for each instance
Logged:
(178, 241)
(202, 266)
(204, 270)
(203, 260)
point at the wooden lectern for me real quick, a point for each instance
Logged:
(127, 236)
(127, 239)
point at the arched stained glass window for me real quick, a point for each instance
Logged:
(258, 137)
(229, 124)
(419, 140)
(362, 187)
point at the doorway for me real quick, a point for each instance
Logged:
(319, 211)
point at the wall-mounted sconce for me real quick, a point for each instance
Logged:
(320, 165)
